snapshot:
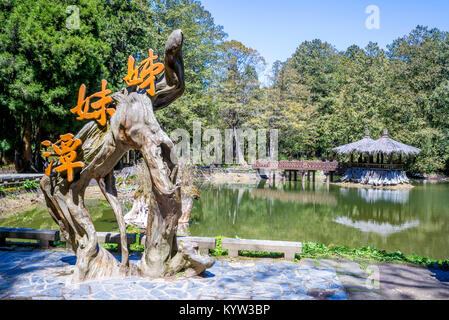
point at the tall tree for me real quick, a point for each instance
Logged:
(236, 86)
(42, 65)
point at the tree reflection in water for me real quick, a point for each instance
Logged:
(413, 221)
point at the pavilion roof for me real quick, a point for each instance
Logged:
(358, 146)
(387, 145)
(384, 229)
(384, 145)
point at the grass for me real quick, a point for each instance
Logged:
(314, 250)
(318, 250)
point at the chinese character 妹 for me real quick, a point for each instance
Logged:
(82, 108)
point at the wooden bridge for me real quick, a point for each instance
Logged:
(291, 168)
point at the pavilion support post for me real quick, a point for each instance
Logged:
(296, 175)
(332, 176)
(289, 175)
(303, 174)
(308, 176)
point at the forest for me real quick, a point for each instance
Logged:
(318, 98)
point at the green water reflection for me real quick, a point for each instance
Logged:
(413, 221)
(39, 218)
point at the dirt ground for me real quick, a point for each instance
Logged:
(12, 203)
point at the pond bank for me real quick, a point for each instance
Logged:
(359, 185)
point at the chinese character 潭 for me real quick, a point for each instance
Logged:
(82, 107)
(146, 68)
(65, 149)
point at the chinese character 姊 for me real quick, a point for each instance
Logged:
(65, 149)
(82, 108)
(146, 68)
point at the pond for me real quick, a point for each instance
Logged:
(414, 221)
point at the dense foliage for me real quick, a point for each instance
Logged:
(319, 98)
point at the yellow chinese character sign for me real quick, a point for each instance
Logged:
(83, 105)
(65, 149)
(146, 69)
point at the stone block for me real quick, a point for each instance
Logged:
(289, 248)
(204, 244)
(44, 236)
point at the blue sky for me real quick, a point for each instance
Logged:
(275, 28)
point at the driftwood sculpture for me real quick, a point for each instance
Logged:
(132, 126)
(138, 215)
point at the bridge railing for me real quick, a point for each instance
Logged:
(300, 165)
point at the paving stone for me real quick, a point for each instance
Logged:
(329, 263)
(102, 295)
(236, 297)
(147, 285)
(53, 291)
(176, 293)
(49, 278)
(353, 282)
(304, 263)
(79, 290)
(350, 268)
(364, 295)
(340, 295)
(322, 285)
(159, 294)
(46, 298)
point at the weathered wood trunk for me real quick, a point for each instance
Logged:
(137, 216)
(133, 126)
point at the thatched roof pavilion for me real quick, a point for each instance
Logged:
(366, 170)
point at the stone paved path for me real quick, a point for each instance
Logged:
(27, 273)
(389, 281)
(41, 274)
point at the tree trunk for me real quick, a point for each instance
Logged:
(27, 153)
(239, 149)
(37, 158)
